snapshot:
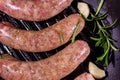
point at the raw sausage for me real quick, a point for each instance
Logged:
(43, 40)
(33, 10)
(85, 76)
(53, 68)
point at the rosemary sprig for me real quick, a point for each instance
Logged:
(75, 31)
(104, 38)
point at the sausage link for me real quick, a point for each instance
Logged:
(53, 68)
(85, 76)
(33, 10)
(43, 40)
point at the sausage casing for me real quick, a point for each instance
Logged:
(53, 68)
(43, 40)
(85, 76)
(33, 10)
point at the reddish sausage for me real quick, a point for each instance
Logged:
(33, 10)
(53, 68)
(43, 40)
(85, 76)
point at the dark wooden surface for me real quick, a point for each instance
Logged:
(114, 67)
(113, 7)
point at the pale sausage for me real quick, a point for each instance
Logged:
(53, 68)
(43, 40)
(33, 10)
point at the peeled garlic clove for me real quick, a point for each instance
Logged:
(83, 8)
(96, 71)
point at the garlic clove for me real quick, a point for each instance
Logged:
(83, 8)
(96, 71)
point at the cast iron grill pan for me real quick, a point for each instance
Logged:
(28, 25)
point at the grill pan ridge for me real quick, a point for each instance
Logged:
(28, 25)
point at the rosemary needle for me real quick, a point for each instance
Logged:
(3, 55)
(99, 7)
(61, 37)
(75, 31)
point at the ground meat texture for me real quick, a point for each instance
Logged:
(33, 10)
(85, 76)
(52, 68)
(43, 40)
